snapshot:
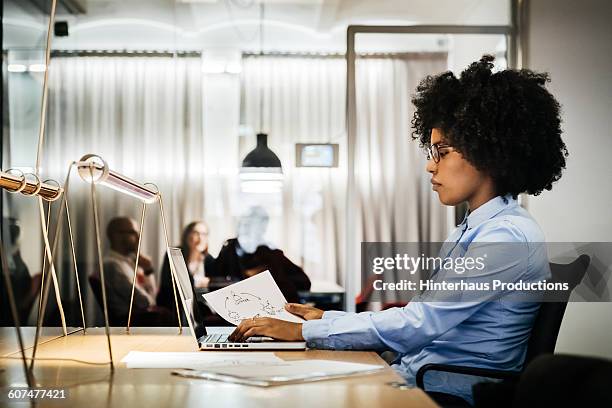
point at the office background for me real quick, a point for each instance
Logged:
(170, 92)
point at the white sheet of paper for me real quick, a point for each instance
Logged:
(199, 360)
(294, 370)
(257, 296)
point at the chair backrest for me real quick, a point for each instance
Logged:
(96, 287)
(546, 326)
(564, 380)
(26, 306)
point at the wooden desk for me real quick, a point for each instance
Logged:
(93, 385)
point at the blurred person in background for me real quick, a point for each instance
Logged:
(249, 254)
(119, 263)
(200, 263)
(25, 288)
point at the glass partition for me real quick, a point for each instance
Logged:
(24, 39)
(389, 193)
(175, 93)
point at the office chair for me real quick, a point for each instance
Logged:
(562, 380)
(154, 316)
(26, 304)
(544, 332)
(96, 288)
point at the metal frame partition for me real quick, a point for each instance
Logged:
(93, 169)
(516, 56)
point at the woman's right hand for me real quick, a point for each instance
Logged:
(304, 311)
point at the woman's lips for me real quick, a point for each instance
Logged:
(435, 185)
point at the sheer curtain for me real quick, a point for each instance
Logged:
(394, 199)
(304, 101)
(143, 115)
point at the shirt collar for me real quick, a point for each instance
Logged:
(114, 254)
(488, 210)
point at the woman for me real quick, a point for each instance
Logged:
(194, 243)
(489, 137)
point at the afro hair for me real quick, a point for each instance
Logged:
(506, 124)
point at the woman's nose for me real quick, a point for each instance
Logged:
(431, 166)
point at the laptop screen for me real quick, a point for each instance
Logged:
(179, 269)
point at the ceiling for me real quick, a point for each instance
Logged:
(288, 25)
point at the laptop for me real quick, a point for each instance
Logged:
(219, 339)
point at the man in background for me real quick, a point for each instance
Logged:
(122, 233)
(25, 288)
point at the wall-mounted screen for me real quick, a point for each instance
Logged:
(316, 154)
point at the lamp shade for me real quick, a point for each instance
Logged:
(94, 169)
(261, 170)
(262, 156)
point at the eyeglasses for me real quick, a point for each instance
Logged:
(127, 232)
(433, 151)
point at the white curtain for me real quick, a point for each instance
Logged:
(394, 200)
(304, 101)
(143, 115)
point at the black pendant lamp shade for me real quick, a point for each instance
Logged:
(262, 156)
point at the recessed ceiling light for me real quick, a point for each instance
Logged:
(17, 68)
(37, 68)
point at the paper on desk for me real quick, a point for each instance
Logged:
(257, 296)
(278, 373)
(196, 360)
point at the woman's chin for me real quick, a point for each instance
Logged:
(447, 200)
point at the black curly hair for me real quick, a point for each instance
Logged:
(506, 124)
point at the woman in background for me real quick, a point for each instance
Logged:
(194, 244)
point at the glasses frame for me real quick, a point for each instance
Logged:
(433, 151)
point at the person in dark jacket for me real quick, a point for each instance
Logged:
(234, 264)
(248, 254)
(19, 275)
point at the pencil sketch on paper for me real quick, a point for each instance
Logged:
(239, 306)
(257, 296)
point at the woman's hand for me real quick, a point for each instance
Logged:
(304, 311)
(267, 326)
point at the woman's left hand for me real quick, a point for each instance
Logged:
(267, 326)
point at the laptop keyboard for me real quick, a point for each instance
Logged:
(215, 338)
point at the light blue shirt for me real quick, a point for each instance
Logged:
(488, 334)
